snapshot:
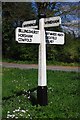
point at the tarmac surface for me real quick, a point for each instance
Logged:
(35, 66)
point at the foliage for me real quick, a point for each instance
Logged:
(63, 95)
(69, 52)
(45, 8)
(12, 49)
(15, 13)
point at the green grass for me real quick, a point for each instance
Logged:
(63, 94)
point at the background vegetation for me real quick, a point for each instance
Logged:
(13, 14)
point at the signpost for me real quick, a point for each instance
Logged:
(24, 35)
(54, 37)
(48, 22)
(52, 21)
(30, 24)
(42, 82)
(27, 34)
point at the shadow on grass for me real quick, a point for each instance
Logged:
(31, 95)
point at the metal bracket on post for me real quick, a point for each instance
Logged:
(42, 82)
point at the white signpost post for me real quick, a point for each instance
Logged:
(26, 34)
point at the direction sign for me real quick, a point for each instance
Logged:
(48, 22)
(24, 35)
(30, 24)
(52, 21)
(54, 37)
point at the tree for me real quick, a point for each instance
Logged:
(13, 13)
(69, 52)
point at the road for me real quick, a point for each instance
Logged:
(35, 66)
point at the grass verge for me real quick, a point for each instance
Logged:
(63, 95)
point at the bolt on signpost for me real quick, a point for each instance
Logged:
(26, 34)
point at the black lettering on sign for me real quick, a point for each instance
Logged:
(28, 31)
(31, 24)
(52, 21)
(53, 34)
(47, 33)
(25, 39)
(24, 35)
(55, 38)
(51, 38)
(20, 35)
(49, 41)
(29, 40)
(19, 30)
(19, 39)
(59, 34)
